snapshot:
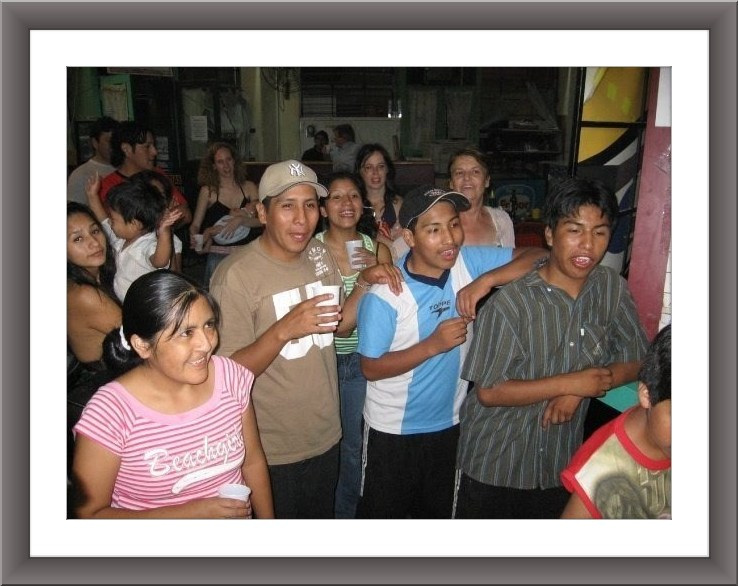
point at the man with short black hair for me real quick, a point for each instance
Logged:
(133, 149)
(318, 151)
(542, 346)
(100, 135)
(412, 348)
(272, 326)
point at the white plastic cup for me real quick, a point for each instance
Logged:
(199, 240)
(351, 246)
(335, 290)
(240, 492)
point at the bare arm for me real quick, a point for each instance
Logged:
(203, 198)
(449, 334)
(561, 409)
(92, 190)
(164, 245)
(303, 319)
(523, 261)
(180, 204)
(95, 471)
(254, 469)
(383, 253)
(591, 382)
(384, 273)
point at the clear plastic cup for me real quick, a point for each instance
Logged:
(319, 289)
(240, 492)
(351, 246)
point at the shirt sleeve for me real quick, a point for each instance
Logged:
(178, 196)
(482, 258)
(105, 421)
(376, 323)
(112, 238)
(239, 380)
(628, 340)
(237, 327)
(495, 353)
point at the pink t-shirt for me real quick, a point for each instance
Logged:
(172, 459)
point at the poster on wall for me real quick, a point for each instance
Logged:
(162, 156)
(199, 128)
(114, 99)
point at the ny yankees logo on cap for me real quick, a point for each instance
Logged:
(296, 170)
(279, 177)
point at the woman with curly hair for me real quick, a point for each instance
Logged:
(224, 192)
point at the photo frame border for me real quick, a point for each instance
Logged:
(18, 19)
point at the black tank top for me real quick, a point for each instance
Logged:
(216, 211)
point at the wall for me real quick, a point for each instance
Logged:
(275, 119)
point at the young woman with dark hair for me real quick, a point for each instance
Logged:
(177, 422)
(377, 170)
(347, 215)
(92, 308)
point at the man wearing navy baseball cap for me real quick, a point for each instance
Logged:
(271, 325)
(412, 349)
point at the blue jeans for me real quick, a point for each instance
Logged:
(212, 261)
(352, 392)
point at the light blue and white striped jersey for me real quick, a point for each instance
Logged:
(428, 397)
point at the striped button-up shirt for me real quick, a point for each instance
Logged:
(531, 330)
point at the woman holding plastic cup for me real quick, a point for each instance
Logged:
(177, 422)
(348, 220)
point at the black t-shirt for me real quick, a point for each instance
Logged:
(313, 154)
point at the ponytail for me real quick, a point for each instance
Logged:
(118, 355)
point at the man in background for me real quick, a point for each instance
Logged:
(99, 162)
(344, 155)
(318, 151)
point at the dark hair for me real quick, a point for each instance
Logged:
(366, 151)
(655, 370)
(366, 224)
(155, 302)
(81, 276)
(346, 131)
(322, 133)
(472, 152)
(103, 124)
(149, 176)
(568, 195)
(131, 133)
(137, 200)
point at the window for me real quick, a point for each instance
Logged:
(346, 92)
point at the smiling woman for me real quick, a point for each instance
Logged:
(177, 423)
